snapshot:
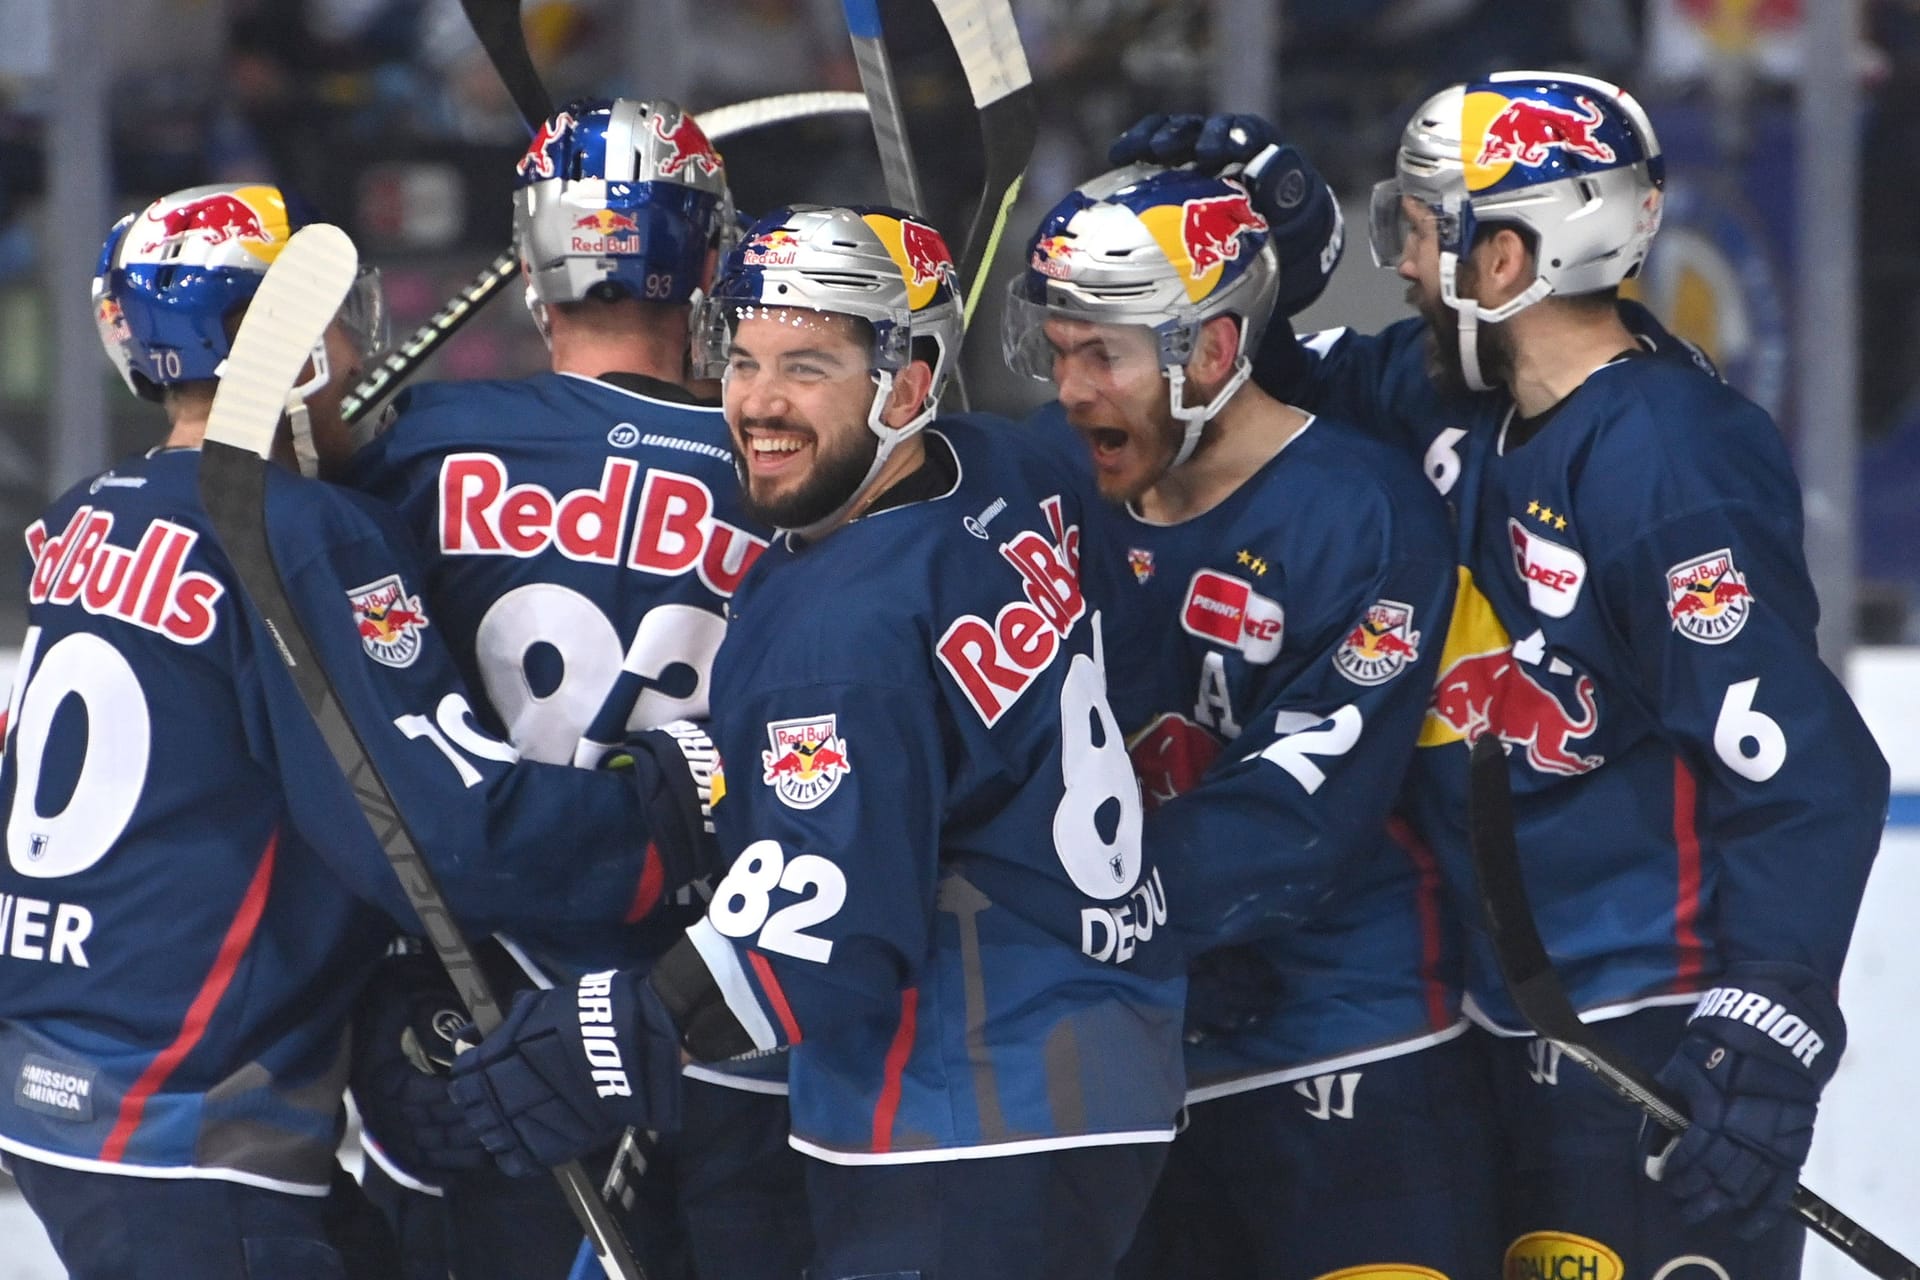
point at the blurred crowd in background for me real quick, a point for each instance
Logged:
(385, 115)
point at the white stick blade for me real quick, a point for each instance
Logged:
(742, 117)
(289, 314)
(988, 42)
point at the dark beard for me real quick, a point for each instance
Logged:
(1443, 351)
(835, 477)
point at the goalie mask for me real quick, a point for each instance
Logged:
(618, 199)
(1165, 249)
(1571, 162)
(883, 268)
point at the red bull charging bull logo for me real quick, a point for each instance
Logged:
(390, 621)
(777, 248)
(606, 231)
(1708, 599)
(1380, 646)
(1170, 756)
(538, 161)
(1486, 692)
(1211, 228)
(807, 760)
(215, 219)
(929, 261)
(689, 147)
(1527, 130)
(1053, 257)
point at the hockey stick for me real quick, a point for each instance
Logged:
(497, 24)
(287, 318)
(988, 43)
(1543, 1002)
(889, 123)
(721, 123)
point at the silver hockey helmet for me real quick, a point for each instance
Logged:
(883, 267)
(1570, 161)
(1166, 249)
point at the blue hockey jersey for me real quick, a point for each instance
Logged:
(191, 897)
(1270, 661)
(581, 541)
(938, 882)
(1693, 786)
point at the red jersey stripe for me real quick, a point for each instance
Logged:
(888, 1105)
(1690, 958)
(775, 996)
(239, 936)
(1427, 903)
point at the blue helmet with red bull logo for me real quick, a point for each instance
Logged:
(171, 276)
(1167, 249)
(881, 266)
(618, 198)
(1570, 161)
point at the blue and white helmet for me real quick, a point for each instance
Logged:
(1570, 161)
(172, 277)
(619, 198)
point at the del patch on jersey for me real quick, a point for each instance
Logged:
(389, 619)
(807, 760)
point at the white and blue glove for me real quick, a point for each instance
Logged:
(1759, 1048)
(568, 1070)
(1303, 217)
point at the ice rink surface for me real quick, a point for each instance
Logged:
(1866, 1151)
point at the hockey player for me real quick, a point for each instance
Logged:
(581, 531)
(1698, 799)
(937, 877)
(192, 895)
(1278, 590)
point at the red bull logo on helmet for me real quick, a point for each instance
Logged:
(1527, 132)
(538, 162)
(806, 761)
(1211, 228)
(1380, 646)
(390, 621)
(1053, 257)
(1708, 598)
(929, 261)
(606, 231)
(777, 248)
(689, 147)
(258, 225)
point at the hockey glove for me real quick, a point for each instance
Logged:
(1302, 214)
(675, 767)
(403, 1031)
(1759, 1048)
(1229, 992)
(570, 1068)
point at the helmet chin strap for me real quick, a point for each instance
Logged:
(890, 438)
(1471, 313)
(1195, 417)
(298, 421)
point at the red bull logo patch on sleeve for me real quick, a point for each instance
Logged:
(390, 621)
(1380, 646)
(1708, 598)
(807, 760)
(1228, 611)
